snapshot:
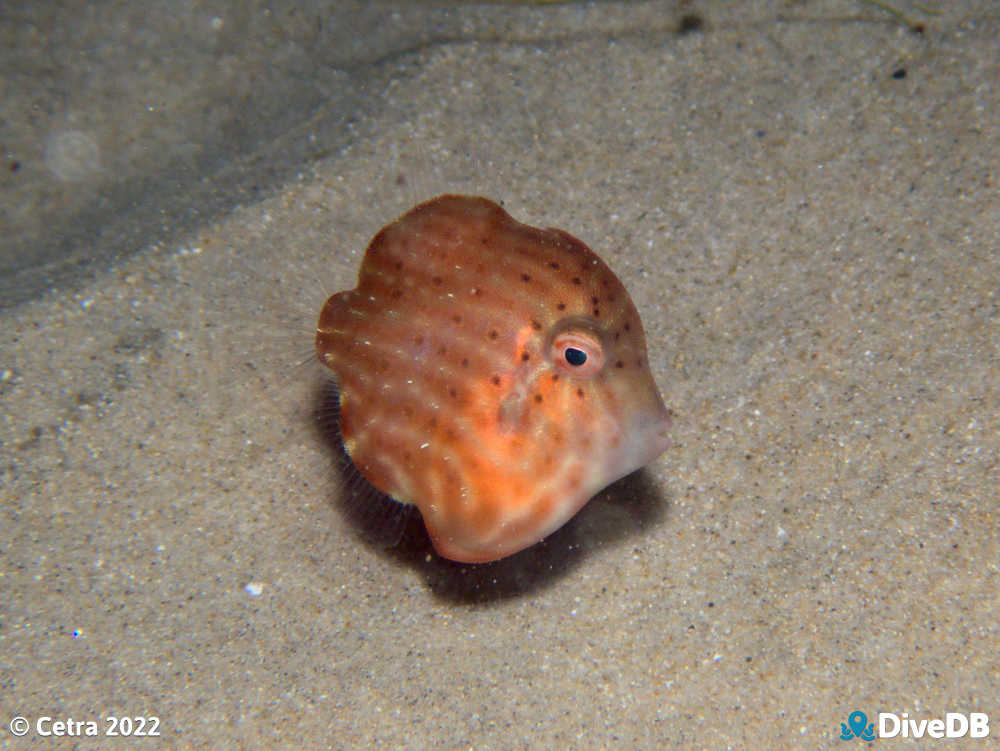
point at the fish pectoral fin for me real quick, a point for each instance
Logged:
(511, 412)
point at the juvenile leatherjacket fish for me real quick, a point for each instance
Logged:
(490, 373)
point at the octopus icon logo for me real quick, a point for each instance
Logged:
(857, 726)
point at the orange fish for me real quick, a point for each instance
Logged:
(490, 373)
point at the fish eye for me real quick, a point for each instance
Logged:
(579, 353)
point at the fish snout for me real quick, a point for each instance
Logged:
(650, 433)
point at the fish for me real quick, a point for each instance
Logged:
(492, 374)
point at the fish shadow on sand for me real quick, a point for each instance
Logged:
(621, 511)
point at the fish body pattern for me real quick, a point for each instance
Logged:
(490, 373)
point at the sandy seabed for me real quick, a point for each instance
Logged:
(802, 201)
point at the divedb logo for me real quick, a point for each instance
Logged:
(954, 725)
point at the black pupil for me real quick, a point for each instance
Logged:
(575, 356)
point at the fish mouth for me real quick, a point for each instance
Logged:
(655, 436)
(648, 438)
